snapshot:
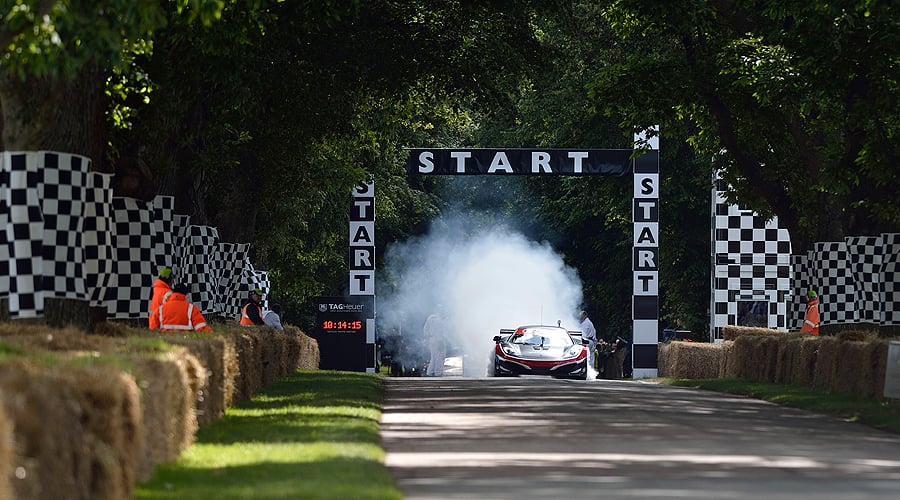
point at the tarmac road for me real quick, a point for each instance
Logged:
(541, 438)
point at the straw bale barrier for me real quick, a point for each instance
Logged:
(829, 353)
(122, 399)
(729, 360)
(169, 377)
(219, 360)
(732, 332)
(7, 454)
(852, 362)
(309, 351)
(690, 360)
(249, 379)
(90, 449)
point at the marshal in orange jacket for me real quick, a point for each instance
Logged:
(161, 291)
(811, 322)
(179, 315)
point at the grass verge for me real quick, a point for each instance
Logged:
(311, 435)
(883, 415)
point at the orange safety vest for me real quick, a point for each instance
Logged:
(811, 322)
(161, 291)
(245, 319)
(178, 315)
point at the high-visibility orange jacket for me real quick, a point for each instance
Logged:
(178, 315)
(251, 314)
(811, 323)
(161, 290)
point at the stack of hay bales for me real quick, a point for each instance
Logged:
(86, 416)
(690, 360)
(853, 362)
(166, 381)
(76, 427)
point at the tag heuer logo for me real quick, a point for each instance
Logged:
(323, 307)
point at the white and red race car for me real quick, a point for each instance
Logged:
(539, 350)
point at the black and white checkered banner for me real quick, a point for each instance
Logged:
(856, 279)
(65, 236)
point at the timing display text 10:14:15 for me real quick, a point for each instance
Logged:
(342, 325)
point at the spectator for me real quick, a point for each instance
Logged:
(162, 288)
(178, 314)
(272, 317)
(251, 311)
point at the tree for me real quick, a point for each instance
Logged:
(55, 59)
(796, 102)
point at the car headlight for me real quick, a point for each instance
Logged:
(573, 351)
(510, 349)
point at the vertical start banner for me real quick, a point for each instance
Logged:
(362, 261)
(645, 261)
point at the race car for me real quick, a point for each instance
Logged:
(539, 350)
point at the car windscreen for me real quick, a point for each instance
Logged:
(548, 338)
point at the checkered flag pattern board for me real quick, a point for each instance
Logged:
(132, 278)
(864, 254)
(199, 261)
(163, 232)
(797, 304)
(232, 284)
(260, 279)
(752, 262)
(837, 290)
(24, 231)
(65, 236)
(43, 209)
(890, 278)
(99, 254)
(62, 194)
(4, 223)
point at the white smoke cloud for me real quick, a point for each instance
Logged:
(483, 279)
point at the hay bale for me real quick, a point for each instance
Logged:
(693, 359)
(789, 359)
(309, 352)
(210, 350)
(732, 332)
(861, 370)
(827, 360)
(742, 352)
(729, 367)
(170, 386)
(170, 380)
(7, 453)
(90, 451)
(768, 353)
(664, 353)
(805, 369)
(248, 380)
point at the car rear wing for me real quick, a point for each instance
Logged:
(507, 331)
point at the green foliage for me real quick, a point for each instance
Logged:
(796, 101)
(54, 39)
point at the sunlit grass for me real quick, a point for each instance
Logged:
(311, 435)
(881, 414)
